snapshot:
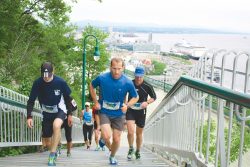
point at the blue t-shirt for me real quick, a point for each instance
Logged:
(50, 94)
(87, 116)
(113, 93)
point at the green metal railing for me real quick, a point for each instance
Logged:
(13, 116)
(176, 127)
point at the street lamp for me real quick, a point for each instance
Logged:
(96, 58)
(165, 73)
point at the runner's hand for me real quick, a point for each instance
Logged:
(124, 108)
(70, 120)
(30, 122)
(144, 105)
(97, 106)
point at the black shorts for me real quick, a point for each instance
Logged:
(139, 116)
(68, 130)
(47, 123)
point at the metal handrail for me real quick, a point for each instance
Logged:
(212, 89)
(16, 104)
(181, 127)
(13, 128)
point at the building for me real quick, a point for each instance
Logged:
(185, 48)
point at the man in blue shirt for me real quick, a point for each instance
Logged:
(53, 94)
(113, 86)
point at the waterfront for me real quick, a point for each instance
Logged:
(175, 68)
(237, 42)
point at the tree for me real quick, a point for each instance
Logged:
(32, 32)
(93, 68)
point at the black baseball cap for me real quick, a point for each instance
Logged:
(47, 69)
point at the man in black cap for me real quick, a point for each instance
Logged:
(54, 97)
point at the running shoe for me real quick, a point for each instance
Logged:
(137, 155)
(101, 143)
(112, 161)
(52, 161)
(97, 148)
(130, 154)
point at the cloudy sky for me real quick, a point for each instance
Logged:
(229, 15)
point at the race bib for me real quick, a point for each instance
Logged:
(50, 109)
(89, 123)
(136, 106)
(111, 105)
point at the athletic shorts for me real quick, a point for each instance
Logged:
(68, 130)
(139, 116)
(115, 122)
(47, 124)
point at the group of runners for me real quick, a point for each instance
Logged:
(120, 101)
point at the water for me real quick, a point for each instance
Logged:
(237, 42)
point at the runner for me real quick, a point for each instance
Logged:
(136, 115)
(97, 130)
(54, 97)
(88, 124)
(114, 86)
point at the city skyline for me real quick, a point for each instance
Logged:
(226, 15)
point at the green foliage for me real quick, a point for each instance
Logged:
(212, 148)
(24, 87)
(158, 68)
(248, 113)
(32, 32)
(26, 41)
(93, 68)
(235, 140)
(183, 58)
(36, 31)
(12, 151)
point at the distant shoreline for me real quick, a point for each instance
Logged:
(136, 28)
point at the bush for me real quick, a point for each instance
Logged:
(12, 151)
(158, 68)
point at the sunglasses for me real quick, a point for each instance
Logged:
(86, 106)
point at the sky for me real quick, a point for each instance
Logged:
(226, 15)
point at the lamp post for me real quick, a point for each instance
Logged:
(96, 58)
(165, 73)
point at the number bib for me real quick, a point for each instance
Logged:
(111, 105)
(136, 106)
(50, 109)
